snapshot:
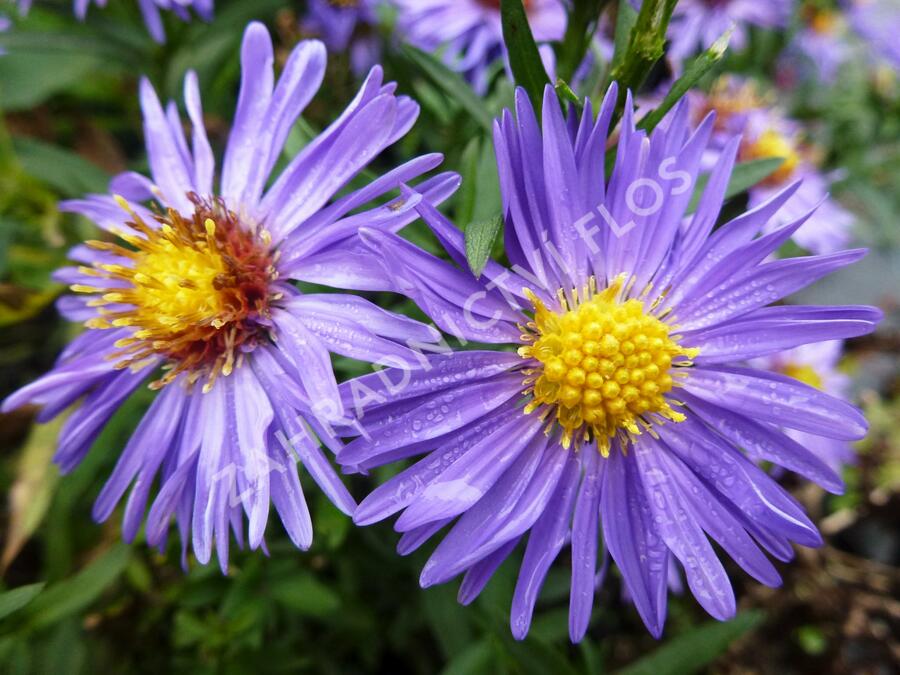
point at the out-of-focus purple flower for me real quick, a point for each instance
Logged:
(878, 23)
(768, 133)
(743, 109)
(197, 297)
(346, 25)
(696, 24)
(150, 9)
(470, 30)
(816, 365)
(818, 50)
(5, 23)
(628, 406)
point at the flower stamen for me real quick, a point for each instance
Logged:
(197, 291)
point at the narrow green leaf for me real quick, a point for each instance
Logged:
(580, 28)
(452, 83)
(480, 238)
(646, 45)
(17, 598)
(743, 177)
(748, 174)
(690, 652)
(76, 593)
(692, 74)
(626, 17)
(524, 57)
(474, 660)
(304, 594)
(65, 171)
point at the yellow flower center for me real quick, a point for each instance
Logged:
(195, 291)
(806, 374)
(772, 144)
(605, 365)
(823, 21)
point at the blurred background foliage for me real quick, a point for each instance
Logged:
(76, 600)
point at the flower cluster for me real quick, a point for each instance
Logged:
(626, 380)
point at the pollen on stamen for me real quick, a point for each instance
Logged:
(197, 291)
(605, 365)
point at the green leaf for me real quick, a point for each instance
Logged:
(474, 660)
(646, 45)
(34, 487)
(480, 238)
(692, 74)
(626, 17)
(524, 57)
(452, 83)
(30, 77)
(690, 652)
(304, 594)
(17, 598)
(76, 593)
(70, 174)
(743, 177)
(580, 28)
(748, 174)
(566, 95)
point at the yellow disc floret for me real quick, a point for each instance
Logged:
(805, 374)
(772, 144)
(195, 291)
(604, 365)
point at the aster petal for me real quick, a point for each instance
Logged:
(437, 415)
(247, 400)
(715, 518)
(752, 491)
(242, 154)
(482, 571)
(315, 176)
(705, 574)
(505, 513)
(765, 443)
(85, 424)
(204, 160)
(545, 541)
(215, 479)
(146, 448)
(585, 529)
(632, 540)
(305, 356)
(170, 173)
(464, 482)
(756, 334)
(777, 399)
(406, 487)
(764, 285)
(413, 540)
(364, 395)
(295, 437)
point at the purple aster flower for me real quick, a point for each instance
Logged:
(816, 365)
(196, 296)
(768, 133)
(625, 407)
(818, 50)
(696, 24)
(742, 109)
(877, 22)
(346, 24)
(470, 30)
(150, 9)
(5, 23)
